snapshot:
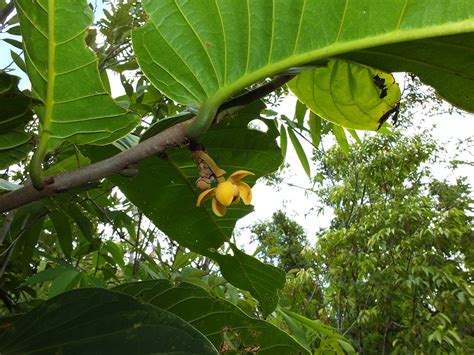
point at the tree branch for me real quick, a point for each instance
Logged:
(257, 93)
(173, 136)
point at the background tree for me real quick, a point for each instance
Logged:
(394, 269)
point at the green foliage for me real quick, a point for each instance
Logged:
(16, 112)
(454, 85)
(65, 78)
(169, 181)
(281, 242)
(229, 55)
(143, 224)
(361, 105)
(397, 255)
(222, 322)
(96, 320)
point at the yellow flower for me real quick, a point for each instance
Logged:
(227, 192)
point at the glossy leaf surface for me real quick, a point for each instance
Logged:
(215, 317)
(100, 321)
(65, 76)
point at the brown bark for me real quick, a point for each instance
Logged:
(173, 136)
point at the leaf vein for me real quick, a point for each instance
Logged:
(219, 81)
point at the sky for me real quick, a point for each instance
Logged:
(295, 201)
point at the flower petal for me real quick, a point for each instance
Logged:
(245, 192)
(218, 208)
(225, 192)
(204, 196)
(239, 175)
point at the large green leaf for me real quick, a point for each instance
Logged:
(98, 321)
(165, 185)
(349, 95)
(223, 46)
(164, 189)
(219, 320)
(65, 77)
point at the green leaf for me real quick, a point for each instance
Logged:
(14, 43)
(297, 331)
(13, 139)
(16, 107)
(164, 184)
(89, 321)
(62, 225)
(27, 225)
(300, 152)
(47, 275)
(183, 259)
(84, 224)
(349, 95)
(354, 135)
(165, 123)
(15, 30)
(248, 273)
(18, 60)
(314, 325)
(64, 282)
(341, 138)
(222, 47)
(300, 112)
(116, 252)
(442, 62)
(315, 128)
(14, 146)
(214, 317)
(283, 140)
(72, 162)
(65, 77)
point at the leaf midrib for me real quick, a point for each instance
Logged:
(45, 131)
(339, 48)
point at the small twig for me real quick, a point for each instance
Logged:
(117, 50)
(137, 245)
